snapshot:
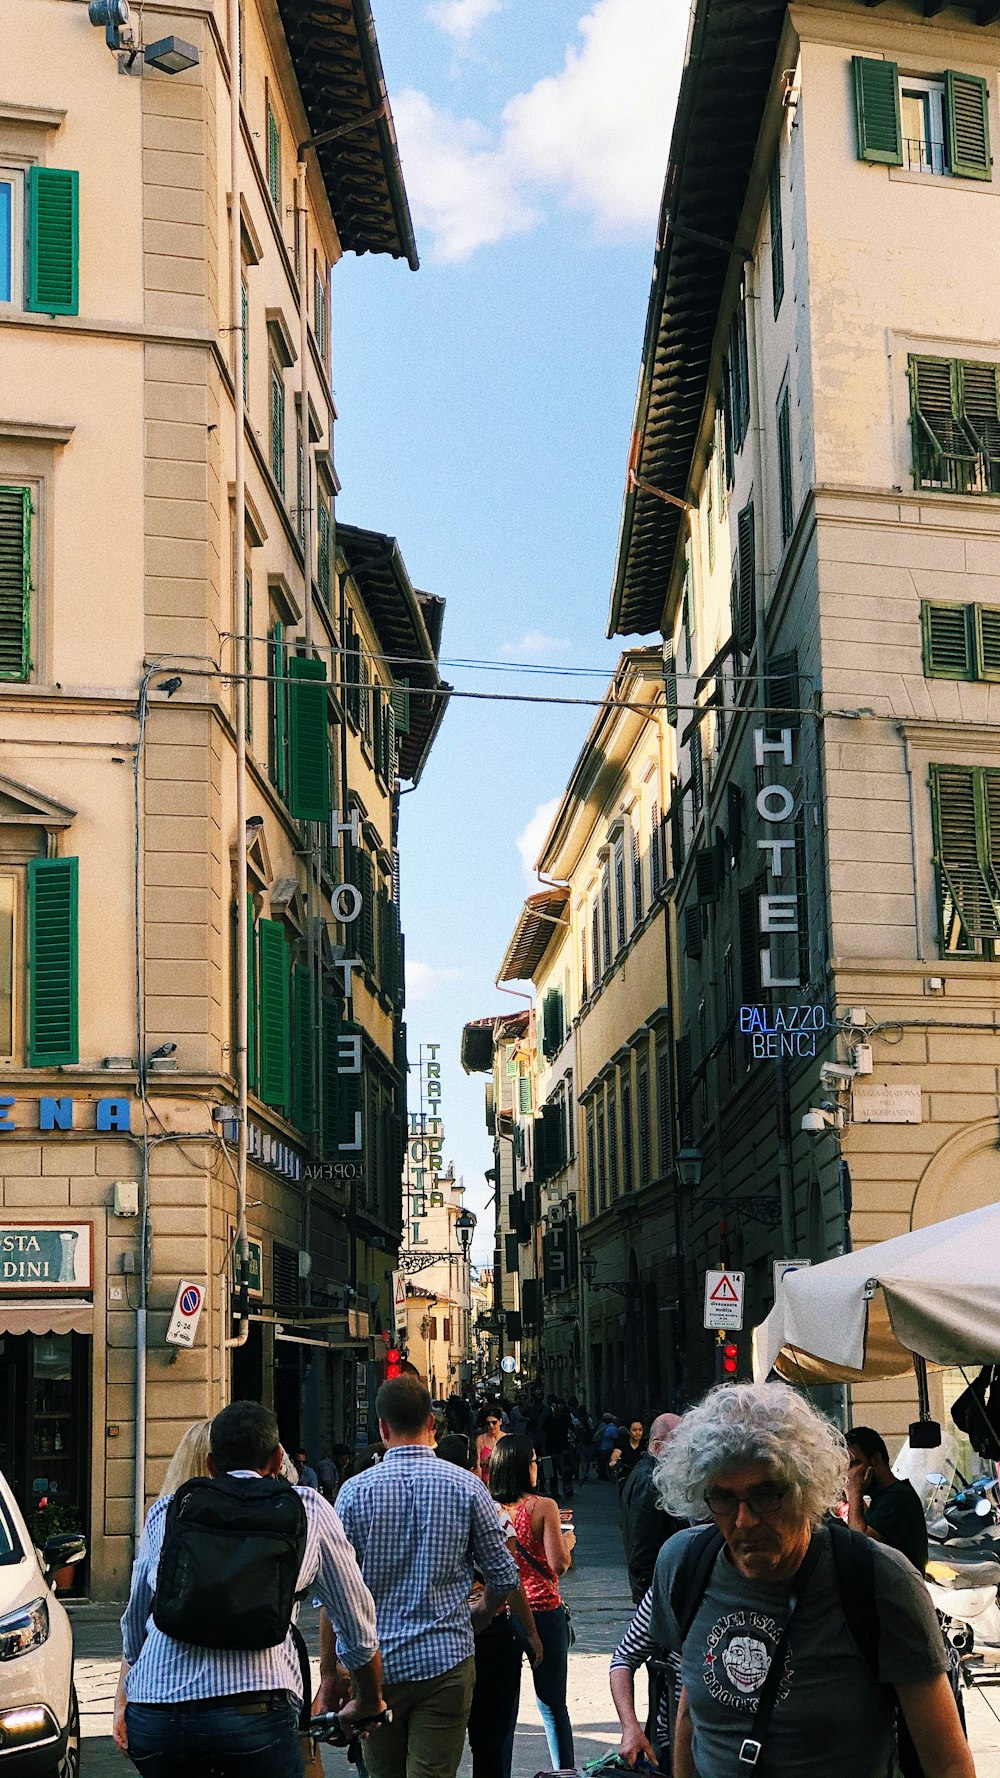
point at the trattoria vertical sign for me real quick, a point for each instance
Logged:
(425, 1149)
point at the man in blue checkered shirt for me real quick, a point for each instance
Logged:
(419, 1529)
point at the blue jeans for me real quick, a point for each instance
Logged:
(550, 1686)
(222, 1743)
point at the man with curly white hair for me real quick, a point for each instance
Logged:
(797, 1638)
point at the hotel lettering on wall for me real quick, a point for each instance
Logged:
(346, 902)
(783, 1030)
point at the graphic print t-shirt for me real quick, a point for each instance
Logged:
(830, 1718)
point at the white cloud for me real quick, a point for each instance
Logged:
(461, 19)
(423, 980)
(535, 646)
(594, 136)
(460, 187)
(598, 132)
(531, 838)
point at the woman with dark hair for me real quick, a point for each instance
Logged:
(487, 1440)
(543, 1552)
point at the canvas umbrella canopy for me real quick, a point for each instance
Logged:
(934, 1292)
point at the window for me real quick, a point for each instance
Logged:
(785, 466)
(602, 1161)
(710, 512)
(628, 1177)
(15, 582)
(636, 873)
(245, 339)
(729, 996)
(746, 581)
(739, 364)
(955, 424)
(961, 641)
(248, 649)
(53, 961)
(613, 1182)
(931, 126)
(655, 851)
(687, 609)
(697, 774)
(645, 1133)
(591, 1166)
(11, 236)
(320, 308)
(621, 930)
(583, 959)
(966, 810)
(277, 708)
(278, 427)
(663, 1108)
(606, 915)
(9, 971)
(595, 942)
(274, 158)
(553, 1029)
(324, 529)
(777, 238)
(300, 491)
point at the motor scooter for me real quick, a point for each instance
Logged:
(963, 1571)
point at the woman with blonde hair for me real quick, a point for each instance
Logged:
(189, 1459)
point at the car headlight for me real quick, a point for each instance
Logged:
(23, 1629)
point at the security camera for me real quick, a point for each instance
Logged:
(836, 1074)
(818, 1119)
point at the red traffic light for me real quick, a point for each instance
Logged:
(730, 1359)
(392, 1359)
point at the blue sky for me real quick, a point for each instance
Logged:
(485, 408)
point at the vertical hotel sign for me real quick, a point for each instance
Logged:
(787, 1029)
(425, 1150)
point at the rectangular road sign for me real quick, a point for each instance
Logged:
(724, 1299)
(399, 1302)
(782, 1267)
(187, 1310)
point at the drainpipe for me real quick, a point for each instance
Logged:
(306, 529)
(239, 608)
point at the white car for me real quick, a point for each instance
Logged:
(39, 1716)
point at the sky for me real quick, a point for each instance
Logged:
(485, 408)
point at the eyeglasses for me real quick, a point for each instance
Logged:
(763, 1502)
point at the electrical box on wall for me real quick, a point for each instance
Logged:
(126, 1197)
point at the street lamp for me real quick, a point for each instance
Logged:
(465, 1224)
(689, 1163)
(588, 1266)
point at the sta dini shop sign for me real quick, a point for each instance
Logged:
(783, 1030)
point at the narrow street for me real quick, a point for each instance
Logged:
(598, 1596)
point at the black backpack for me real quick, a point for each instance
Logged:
(853, 1566)
(229, 1566)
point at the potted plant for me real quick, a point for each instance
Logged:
(53, 1518)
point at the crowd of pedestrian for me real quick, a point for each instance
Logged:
(775, 1568)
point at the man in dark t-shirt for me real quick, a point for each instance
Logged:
(893, 1513)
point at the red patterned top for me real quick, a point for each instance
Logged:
(542, 1588)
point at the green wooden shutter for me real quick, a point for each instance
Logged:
(15, 582)
(367, 886)
(275, 1019)
(304, 1044)
(274, 159)
(400, 696)
(987, 625)
(876, 102)
(53, 961)
(350, 1101)
(670, 682)
(781, 692)
(967, 890)
(747, 579)
(948, 640)
(967, 125)
(331, 1079)
(944, 451)
(323, 530)
(308, 740)
(53, 241)
(787, 507)
(750, 942)
(980, 412)
(245, 340)
(253, 1077)
(278, 427)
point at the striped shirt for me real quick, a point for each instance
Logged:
(165, 1671)
(420, 1527)
(638, 1646)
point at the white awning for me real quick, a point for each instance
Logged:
(42, 1316)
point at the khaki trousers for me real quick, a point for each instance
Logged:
(426, 1736)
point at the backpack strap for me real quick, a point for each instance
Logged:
(854, 1569)
(305, 1674)
(694, 1571)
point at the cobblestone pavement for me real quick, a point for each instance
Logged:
(598, 1595)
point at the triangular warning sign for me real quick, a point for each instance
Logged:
(724, 1292)
(400, 1288)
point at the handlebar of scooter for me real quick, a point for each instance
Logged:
(329, 1728)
